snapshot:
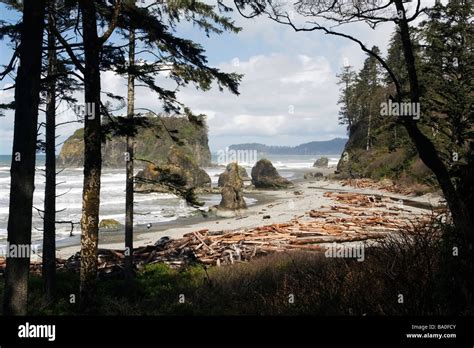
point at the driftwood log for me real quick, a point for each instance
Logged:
(352, 217)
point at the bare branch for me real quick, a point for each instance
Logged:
(113, 23)
(10, 65)
(278, 18)
(68, 50)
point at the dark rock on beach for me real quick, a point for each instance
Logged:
(264, 175)
(322, 162)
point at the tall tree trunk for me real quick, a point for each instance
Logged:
(367, 147)
(92, 157)
(129, 180)
(349, 116)
(24, 156)
(49, 236)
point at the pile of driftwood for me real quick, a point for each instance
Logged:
(353, 217)
(385, 185)
(356, 199)
(219, 248)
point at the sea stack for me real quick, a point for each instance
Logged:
(224, 177)
(232, 195)
(265, 176)
(322, 162)
(180, 171)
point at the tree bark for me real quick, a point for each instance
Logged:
(129, 164)
(92, 157)
(367, 147)
(24, 156)
(49, 223)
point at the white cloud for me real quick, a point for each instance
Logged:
(282, 95)
(314, 71)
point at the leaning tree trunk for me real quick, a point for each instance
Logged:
(49, 225)
(92, 157)
(129, 170)
(22, 171)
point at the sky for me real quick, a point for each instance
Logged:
(288, 94)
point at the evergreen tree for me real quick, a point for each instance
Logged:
(27, 88)
(396, 61)
(446, 75)
(368, 95)
(49, 222)
(348, 112)
(93, 45)
(129, 162)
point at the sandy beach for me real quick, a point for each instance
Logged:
(271, 207)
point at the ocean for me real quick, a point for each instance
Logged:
(149, 208)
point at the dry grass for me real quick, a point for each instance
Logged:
(415, 263)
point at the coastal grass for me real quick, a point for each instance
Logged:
(411, 273)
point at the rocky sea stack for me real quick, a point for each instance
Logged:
(152, 144)
(224, 177)
(322, 162)
(232, 195)
(180, 171)
(264, 175)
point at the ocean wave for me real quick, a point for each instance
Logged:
(153, 217)
(296, 165)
